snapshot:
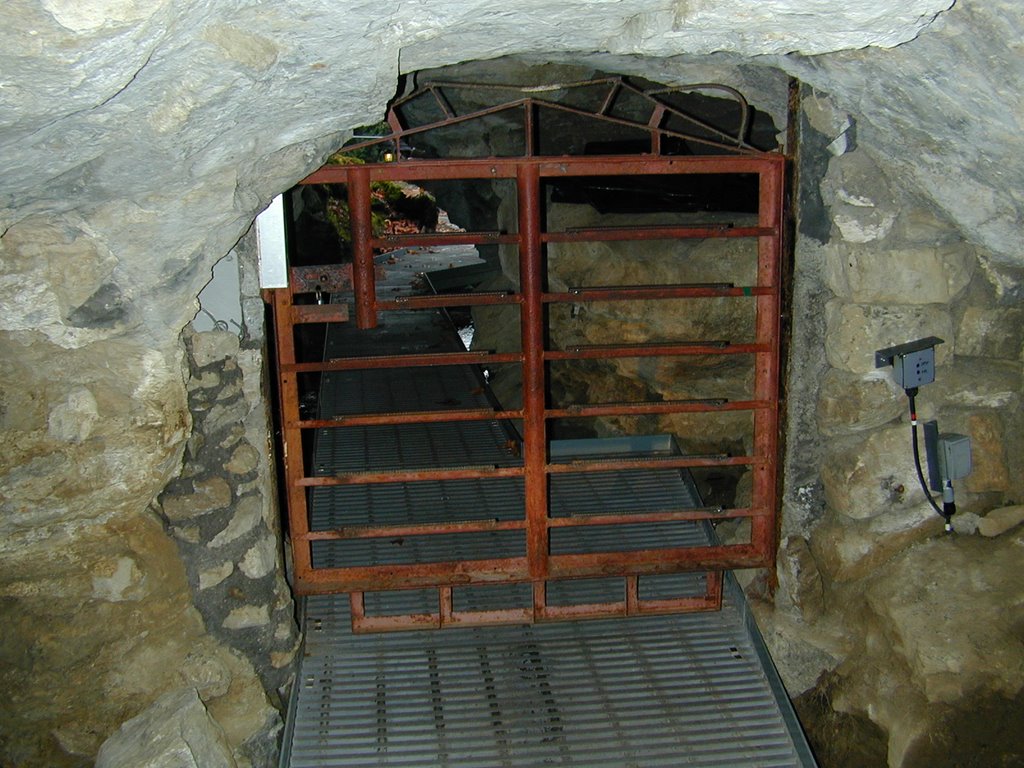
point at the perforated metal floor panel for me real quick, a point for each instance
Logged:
(681, 690)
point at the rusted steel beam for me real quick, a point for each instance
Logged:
(541, 611)
(638, 165)
(442, 102)
(581, 612)
(729, 140)
(480, 471)
(404, 361)
(445, 604)
(529, 128)
(291, 438)
(423, 239)
(553, 167)
(654, 232)
(609, 100)
(656, 561)
(661, 407)
(329, 278)
(372, 578)
(661, 133)
(450, 300)
(452, 120)
(364, 624)
(423, 529)
(654, 122)
(632, 594)
(488, 618)
(356, 606)
(652, 292)
(766, 369)
(539, 597)
(657, 462)
(710, 601)
(744, 121)
(420, 170)
(652, 350)
(531, 279)
(663, 516)
(319, 313)
(363, 273)
(412, 417)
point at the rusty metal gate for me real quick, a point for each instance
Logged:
(534, 468)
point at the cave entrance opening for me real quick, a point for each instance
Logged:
(562, 467)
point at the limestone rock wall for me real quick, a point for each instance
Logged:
(138, 141)
(868, 584)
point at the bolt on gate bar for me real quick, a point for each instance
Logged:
(540, 565)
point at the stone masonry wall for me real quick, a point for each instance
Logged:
(867, 580)
(222, 512)
(222, 509)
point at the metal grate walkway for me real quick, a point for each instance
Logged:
(691, 689)
(679, 690)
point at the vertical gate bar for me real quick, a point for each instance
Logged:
(444, 605)
(531, 285)
(713, 588)
(529, 114)
(356, 606)
(766, 384)
(632, 595)
(362, 252)
(540, 599)
(291, 435)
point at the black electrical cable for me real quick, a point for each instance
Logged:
(946, 513)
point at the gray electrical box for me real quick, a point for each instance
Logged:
(954, 456)
(949, 456)
(913, 363)
(915, 369)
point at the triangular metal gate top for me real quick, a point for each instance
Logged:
(530, 546)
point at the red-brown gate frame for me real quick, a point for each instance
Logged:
(539, 565)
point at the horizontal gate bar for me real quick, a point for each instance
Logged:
(329, 278)
(656, 561)
(411, 417)
(372, 577)
(474, 526)
(664, 516)
(425, 529)
(487, 471)
(449, 300)
(591, 352)
(403, 361)
(481, 471)
(669, 406)
(443, 238)
(645, 293)
(654, 232)
(659, 462)
(319, 313)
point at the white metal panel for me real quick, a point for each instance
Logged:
(270, 239)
